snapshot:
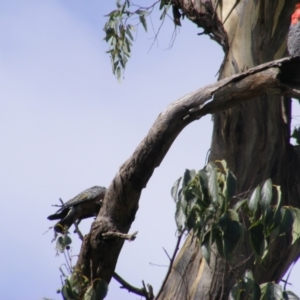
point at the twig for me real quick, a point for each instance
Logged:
(173, 37)
(167, 253)
(59, 205)
(141, 292)
(150, 295)
(157, 33)
(78, 231)
(287, 278)
(114, 234)
(69, 268)
(157, 265)
(171, 265)
(70, 258)
(241, 263)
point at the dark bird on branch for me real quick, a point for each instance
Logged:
(85, 205)
(293, 42)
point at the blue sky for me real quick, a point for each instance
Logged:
(67, 125)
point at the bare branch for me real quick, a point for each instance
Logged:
(141, 292)
(112, 234)
(171, 264)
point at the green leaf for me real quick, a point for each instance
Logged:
(233, 215)
(118, 73)
(296, 224)
(248, 275)
(257, 239)
(236, 291)
(231, 236)
(206, 246)
(187, 177)
(174, 189)
(230, 186)
(190, 193)
(194, 219)
(62, 242)
(251, 288)
(288, 295)
(68, 292)
(266, 194)
(270, 291)
(223, 163)
(240, 204)
(97, 293)
(164, 3)
(255, 292)
(164, 13)
(287, 220)
(128, 32)
(277, 214)
(180, 218)
(223, 220)
(268, 220)
(253, 201)
(296, 135)
(211, 172)
(246, 288)
(143, 21)
(203, 186)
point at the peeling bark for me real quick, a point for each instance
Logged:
(203, 14)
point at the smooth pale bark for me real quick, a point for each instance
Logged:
(254, 139)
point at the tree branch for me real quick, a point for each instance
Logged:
(170, 266)
(112, 234)
(281, 77)
(141, 292)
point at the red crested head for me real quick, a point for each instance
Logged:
(296, 15)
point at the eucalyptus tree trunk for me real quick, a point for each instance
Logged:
(254, 139)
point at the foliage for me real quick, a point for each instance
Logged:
(119, 30)
(204, 206)
(247, 288)
(63, 242)
(74, 280)
(296, 135)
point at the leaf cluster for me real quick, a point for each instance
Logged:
(204, 207)
(77, 282)
(270, 221)
(119, 30)
(247, 288)
(119, 34)
(74, 280)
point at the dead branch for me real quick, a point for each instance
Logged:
(113, 234)
(171, 265)
(148, 294)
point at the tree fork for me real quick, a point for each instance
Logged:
(98, 256)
